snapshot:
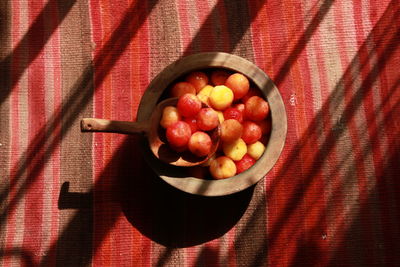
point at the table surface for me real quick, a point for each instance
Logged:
(74, 199)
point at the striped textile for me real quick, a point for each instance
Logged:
(73, 199)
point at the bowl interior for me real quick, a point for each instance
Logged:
(182, 178)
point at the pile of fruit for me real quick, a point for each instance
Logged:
(207, 99)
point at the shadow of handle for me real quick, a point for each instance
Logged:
(71, 200)
(111, 126)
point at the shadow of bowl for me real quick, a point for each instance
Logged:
(167, 215)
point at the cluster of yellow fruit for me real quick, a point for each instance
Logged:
(242, 113)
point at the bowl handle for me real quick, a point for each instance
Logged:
(111, 126)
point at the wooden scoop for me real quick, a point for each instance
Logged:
(155, 135)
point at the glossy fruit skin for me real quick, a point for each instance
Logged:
(239, 84)
(222, 168)
(178, 134)
(235, 150)
(181, 88)
(200, 144)
(207, 119)
(170, 115)
(256, 109)
(188, 105)
(245, 163)
(231, 130)
(218, 77)
(233, 113)
(221, 97)
(240, 107)
(251, 132)
(198, 79)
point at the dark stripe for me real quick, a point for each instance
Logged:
(239, 20)
(76, 148)
(251, 237)
(165, 45)
(35, 42)
(5, 81)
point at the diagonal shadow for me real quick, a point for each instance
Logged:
(86, 80)
(386, 48)
(348, 176)
(26, 258)
(64, 237)
(390, 249)
(67, 230)
(35, 38)
(40, 149)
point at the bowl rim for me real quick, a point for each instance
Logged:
(177, 176)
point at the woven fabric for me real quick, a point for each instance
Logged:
(74, 199)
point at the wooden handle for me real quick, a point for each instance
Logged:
(123, 127)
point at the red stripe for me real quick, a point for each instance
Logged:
(119, 90)
(37, 120)
(280, 245)
(14, 134)
(102, 255)
(260, 34)
(120, 101)
(210, 253)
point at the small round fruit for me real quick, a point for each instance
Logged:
(218, 77)
(265, 126)
(256, 108)
(204, 94)
(231, 130)
(256, 150)
(221, 97)
(178, 134)
(181, 88)
(251, 132)
(235, 150)
(170, 115)
(200, 144)
(233, 113)
(252, 92)
(207, 119)
(239, 84)
(188, 105)
(222, 167)
(245, 163)
(198, 79)
(192, 123)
